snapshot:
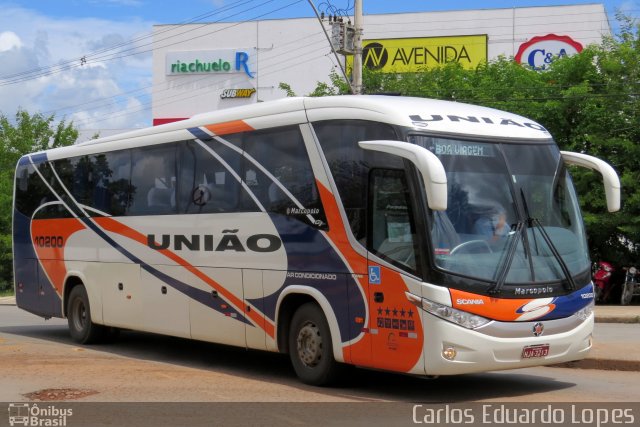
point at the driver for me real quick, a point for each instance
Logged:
(492, 224)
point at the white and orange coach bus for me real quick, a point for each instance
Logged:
(404, 234)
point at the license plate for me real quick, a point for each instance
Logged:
(532, 351)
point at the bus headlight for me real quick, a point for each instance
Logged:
(584, 313)
(450, 314)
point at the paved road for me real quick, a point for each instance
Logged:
(38, 355)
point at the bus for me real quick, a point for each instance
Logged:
(403, 234)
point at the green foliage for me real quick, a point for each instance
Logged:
(589, 102)
(7, 291)
(26, 133)
(287, 89)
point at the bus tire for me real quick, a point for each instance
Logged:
(310, 346)
(81, 328)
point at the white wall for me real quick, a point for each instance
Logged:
(295, 51)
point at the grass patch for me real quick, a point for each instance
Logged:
(7, 292)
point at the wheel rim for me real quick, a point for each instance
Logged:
(309, 343)
(79, 311)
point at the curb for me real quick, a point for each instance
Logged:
(602, 364)
(617, 319)
(7, 300)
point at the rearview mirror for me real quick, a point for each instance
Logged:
(609, 175)
(429, 166)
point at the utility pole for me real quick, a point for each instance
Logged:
(333, 44)
(357, 57)
(346, 39)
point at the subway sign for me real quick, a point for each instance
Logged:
(416, 54)
(225, 61)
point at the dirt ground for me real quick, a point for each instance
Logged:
(33, 367)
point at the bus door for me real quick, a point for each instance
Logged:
(391, 237)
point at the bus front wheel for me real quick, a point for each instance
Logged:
(82, 329)
(310, 346)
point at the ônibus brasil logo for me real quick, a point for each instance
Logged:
(26, 414)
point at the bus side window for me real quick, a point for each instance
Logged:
(288, 187)
(30, 190)
(392, 234)
(350, 164)
(78, 178)
(205, 184)
(112, 174)
(153, 180)
(53, 208)
(98, 181)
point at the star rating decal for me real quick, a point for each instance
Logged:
(394, 318)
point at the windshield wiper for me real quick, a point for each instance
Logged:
(556, 254)
(505, 265)
(528, 249)
(534, 222)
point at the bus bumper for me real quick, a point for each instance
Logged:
(476, 351)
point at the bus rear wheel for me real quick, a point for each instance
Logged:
(310, 346)
(81, 328)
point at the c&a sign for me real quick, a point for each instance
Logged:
(416, 54)
(540, 52)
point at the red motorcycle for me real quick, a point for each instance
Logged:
(602, 284)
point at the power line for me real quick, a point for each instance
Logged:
(103, 55)
(104, 102)
(300, 60)
(130, 42)
(120, 55)
(189, 94)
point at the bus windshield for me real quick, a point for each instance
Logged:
(512, 215)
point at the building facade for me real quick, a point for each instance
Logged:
(204, 67)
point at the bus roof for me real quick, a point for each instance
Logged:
(435, 116)
(428, 115)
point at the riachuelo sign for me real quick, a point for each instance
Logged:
(224, 61)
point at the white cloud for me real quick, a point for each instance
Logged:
(94, 95)
(9, 40)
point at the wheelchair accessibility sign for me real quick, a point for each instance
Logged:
(374, 275)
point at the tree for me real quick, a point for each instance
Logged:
(590, 103)
(26, 134)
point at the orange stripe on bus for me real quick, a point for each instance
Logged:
(501, 309)
(119, 228)
(49, 239)
(229, 127)
(359, 352)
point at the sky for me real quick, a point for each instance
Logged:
(40, 34)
